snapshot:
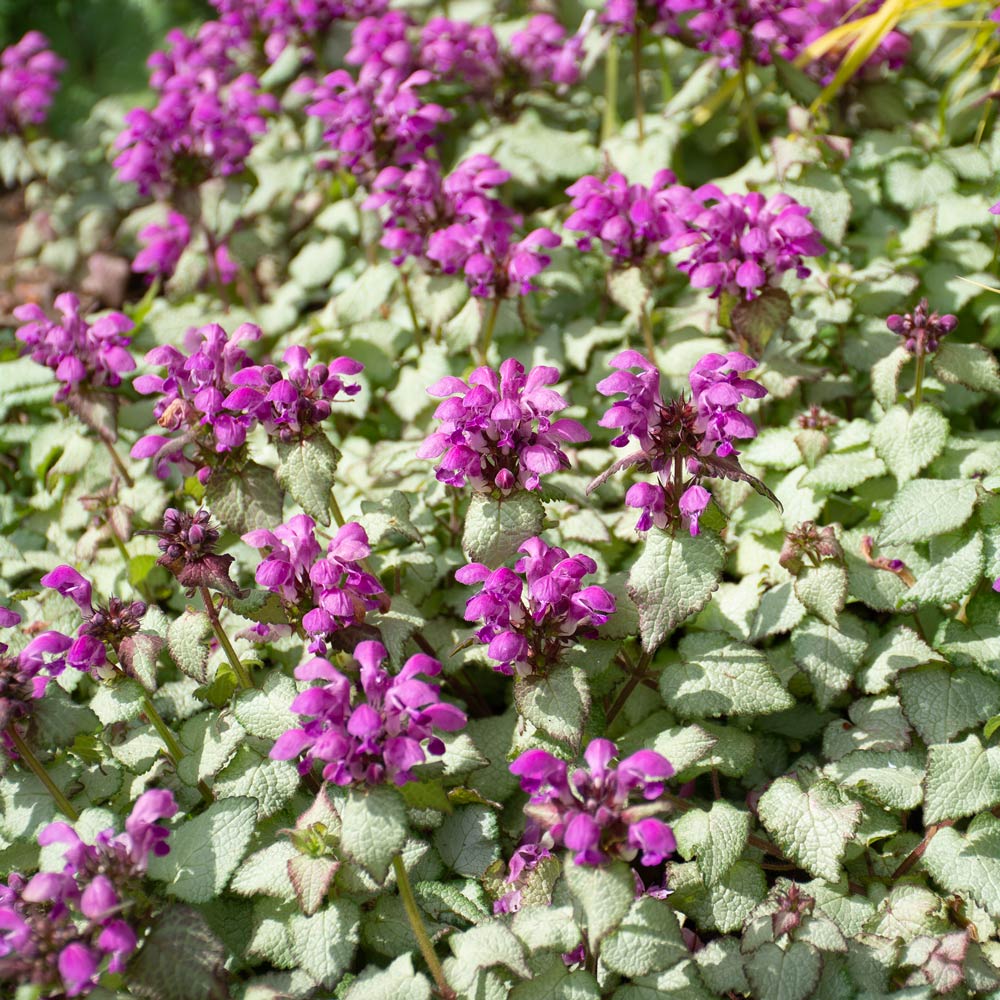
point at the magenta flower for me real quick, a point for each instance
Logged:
(207, 116)
(371, 730)
(162, 246)
(83, 356)
(193, 395)
(60, 930)
(744, 243)
(678, 439)
(113, 626)
(629, 220)
(590, 811)
(379, 41)
(527, 634)
(922, 330)
(188, 542)
(29, 78)
(328, 593)
(528, 855)
(25, 676)
(496, 433)
(291, 405)
(545, 55)
(466, 52)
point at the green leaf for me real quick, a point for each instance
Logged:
(264, 711)
(913, 186)
(494, 529)
(648, 940)
(759, 319)
(974, 642)
(971, 365)
(893, 779)
(812, 826)
(483, 947)
(557, 703)
(673, 578)
(317, 262)
(822, 590)
(468, 840)
(925, 508)
(397, 982)
(718, 676)
(907, 442)
(629, 289)
(374, 828)
(721, 966)
(324, 943)
(363, 298)
(956, 567)
(897, 650)
(118, 702)
(968, 864)
(307, 470)
(247, 500)
(844, 470)
(550, 978)
(390, 515)
(206, 850)
(885, 376)
(941, 703)
(724, 906)
(189, 644)
(790, 974)
(311, 878)
(716, 837)
(180, 959)
(603, 896)
(271, 782)
(829, 654)
(962, 779)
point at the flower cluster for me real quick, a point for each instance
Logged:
(496, 433)
(162, 246)
(590, 811)
(193, 394)
(372, 730)
(629, 220)
(681, 435)
(738, 30)
(527, 634)
(922, 330)
(291, 22)
(113, 626)
(84, 356)
(545, 54)
(326, 592)
(60, 930)
(206, 118)
(29, 78)
(458, 226)
(292, 405)
(188, 542)
(742, 243)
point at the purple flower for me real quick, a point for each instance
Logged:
(679, 436)
(29, 78)
(372, 730)
(188, 542)
(193, 395)
(545, 55)
(630, 220)
(496, 432)
(530, 853)
(326, 593)
(207, 116)
(24, 677)
(380, 41)
(162, 246)
(83, 356)
(291, 405)
(113, 626)
(58, 929)
(590, 811)
(463, 51)
(527, 633)
(741, 244)
(922, 330)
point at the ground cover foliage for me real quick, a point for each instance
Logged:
(504, 506)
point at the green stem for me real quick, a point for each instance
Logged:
(119, 464)
(635, 679)
(609, 121)
(338, 514)
(35, 765)
(174, 750)
(419, 931)
(640, 110)
(488, 328)
(918, 381)
(666, 84)
(246, 681)
(418, 336)
(749, 112)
